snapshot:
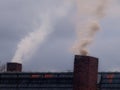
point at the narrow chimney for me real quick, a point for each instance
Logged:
(14, 67)
(85, 73)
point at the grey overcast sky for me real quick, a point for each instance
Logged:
(20, 17)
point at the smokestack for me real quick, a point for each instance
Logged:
(85, 73)
(14, 67)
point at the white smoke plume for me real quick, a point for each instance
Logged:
(89, 13)
(28, 45)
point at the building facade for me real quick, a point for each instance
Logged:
(53, 81)
(36, 81)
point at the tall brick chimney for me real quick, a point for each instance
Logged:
(85, 73)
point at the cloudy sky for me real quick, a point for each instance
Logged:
(20, 18)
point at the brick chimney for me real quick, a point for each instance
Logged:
(14, 67)
(85, 73)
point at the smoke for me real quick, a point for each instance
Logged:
(89, 13)
(28, 45)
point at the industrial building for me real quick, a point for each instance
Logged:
(53, 81)
(36, 81)
(84, 77)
